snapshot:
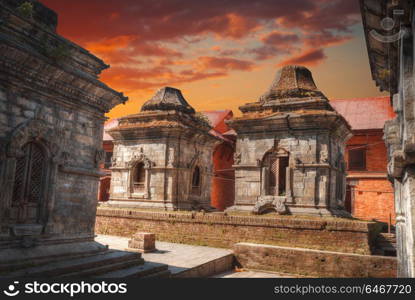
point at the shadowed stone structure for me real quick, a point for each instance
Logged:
(290, 150)
(391, 55)
(162, 156)
(52, 108)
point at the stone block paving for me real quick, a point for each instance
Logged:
(178, 257)
(181, 258)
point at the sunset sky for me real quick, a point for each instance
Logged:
(220, 53)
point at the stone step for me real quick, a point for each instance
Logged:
(109, 267)
(68, 266)
(147, 270)
(386, 244)
(18, 258)
(208, 269)
(7, 268)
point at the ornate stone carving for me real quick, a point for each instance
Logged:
(324, 155)
(194, 158)
(114, 162)
(171, 159)
(270, 203)
(99, 157)
(37, 129)
(237, 158)
(32, 129)
(141, 157)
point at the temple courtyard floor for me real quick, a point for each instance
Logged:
(185, 261)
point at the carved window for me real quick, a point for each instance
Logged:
(275, 171)
(139, 177)
(357, 159)
(196, 181)
(30, 174)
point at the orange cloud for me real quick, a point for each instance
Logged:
(224, 63)
(309, 57)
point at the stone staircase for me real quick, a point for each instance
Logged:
(385, 244)
(103, 264)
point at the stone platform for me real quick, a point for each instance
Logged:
(90, 259)
(184, 261)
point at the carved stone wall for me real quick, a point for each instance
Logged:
(392, 64)
(313, 175)
(170, 152)
(59, 106)
(293, 121)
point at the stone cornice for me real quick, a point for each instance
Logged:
(294, 122)
(41, 60)
(36, 37)
(25, 70)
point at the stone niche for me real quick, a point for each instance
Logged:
(162, 156)
(290, 150)
(52, 108)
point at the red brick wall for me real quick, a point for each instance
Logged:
(374, 200)
(223, 183)
(372, 197)
(313, 263)
(220, 230)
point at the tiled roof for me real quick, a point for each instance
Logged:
(365, 113)
(217, 119)
(109, 125)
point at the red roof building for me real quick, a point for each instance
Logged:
(369, 192)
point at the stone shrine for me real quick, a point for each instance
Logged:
(290, 150)
(163, 156)
(52, 108)
(52, 112)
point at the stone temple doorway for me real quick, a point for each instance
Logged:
(28, 190)
(274, 173)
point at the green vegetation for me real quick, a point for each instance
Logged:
(26, 10)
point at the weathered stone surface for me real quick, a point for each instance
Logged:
(312, 262)
(143, 242)
(392, 69)
(43, 98)
(168, 98)
(171, 145)
(290, 150)
(218, 230)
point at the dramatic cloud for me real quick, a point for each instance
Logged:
(308, 58)
(150, 43)
(277, 38)
(224, 63)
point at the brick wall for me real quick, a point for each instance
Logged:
(218, 230)
(374, 200)
(313, 263)
(372, 195)
(223, 183)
